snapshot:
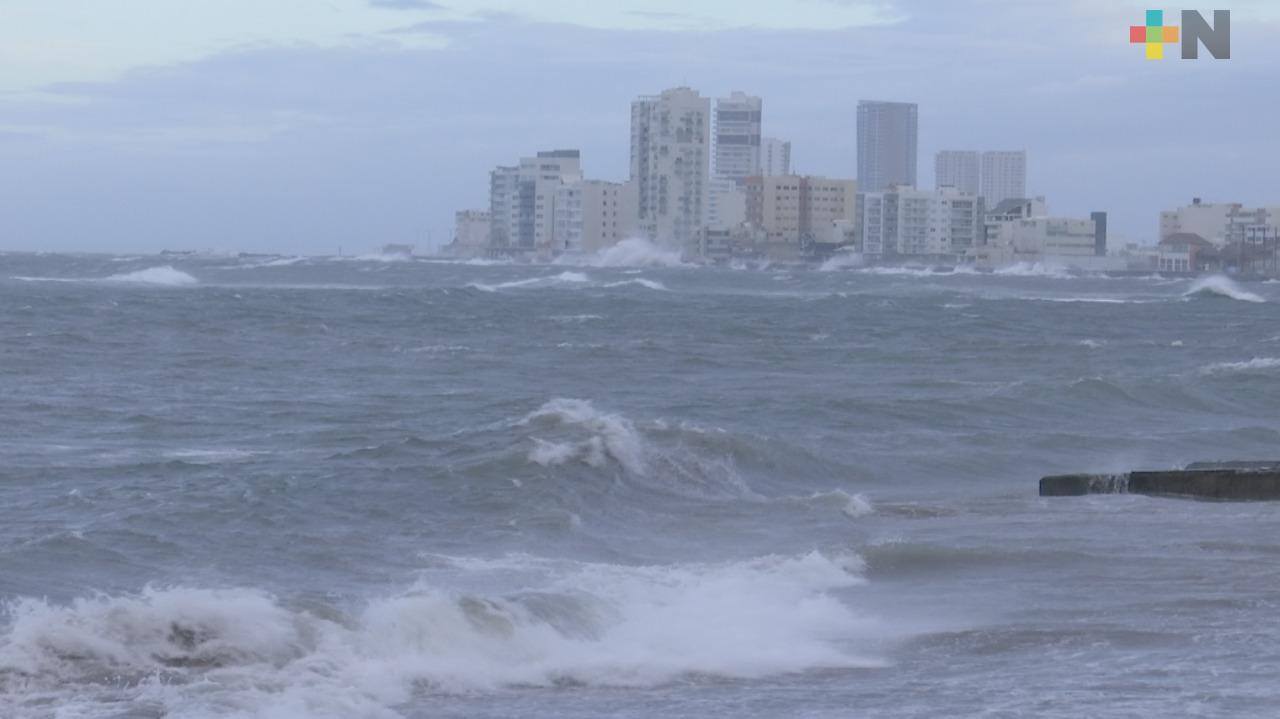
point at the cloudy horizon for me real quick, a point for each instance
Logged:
(305, 127)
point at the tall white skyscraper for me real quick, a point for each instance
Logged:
(887, 134)
(1004, 176)
(958, 169)
(670, 164)
(775, 157)
(737, 136)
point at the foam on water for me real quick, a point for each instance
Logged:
(1219, 286)
(1033, 269)
(639, 281)
(841, 261)
(184, 652)
(561, 279)
(1253, 365)
(631, 252)
(165, 275)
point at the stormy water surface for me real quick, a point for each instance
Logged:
(324, 487)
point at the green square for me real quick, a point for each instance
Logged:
(1155, 34)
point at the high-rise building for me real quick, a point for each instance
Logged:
(887, 133)
(958, 169)
(670, 164)
(775, 157)
(522, 200)
(737, 136)
(1004, 176)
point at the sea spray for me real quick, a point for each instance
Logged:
(581, 623)
(1220, 286)
(165, 275)
(631, 252)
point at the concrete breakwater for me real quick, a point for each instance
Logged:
(1240, 481)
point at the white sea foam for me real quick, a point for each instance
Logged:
(1091, 344)
(640, 281)
(612, 436)
(851, 505)
(563, 278)
(1253, 365)
(1033, 269)
(165, 275)
(841, 261)
(278, 262)
(1221, 286)
(575, 318)
(184, 652)
(631, 252)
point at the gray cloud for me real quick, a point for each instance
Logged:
(305, 148)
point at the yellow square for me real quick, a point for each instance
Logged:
(1155, 51)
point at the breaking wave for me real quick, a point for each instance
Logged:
(1033, 269)
(641, 282)
(631, 252)
(1219, 286)
(581, 434)
(166, 275)
(195, 652)
(551, 281)
(1253, 365)
(841, 261)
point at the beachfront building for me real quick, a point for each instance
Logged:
(670, 164)
(592, 215)
(522, 201)
(1019, 237)
(906, 223)
(796, 213)
(471, 234)
(1222, 223)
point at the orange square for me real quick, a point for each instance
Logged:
(1171, 33)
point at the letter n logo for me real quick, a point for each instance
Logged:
(1216, 39)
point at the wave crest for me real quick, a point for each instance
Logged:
(166, 275)
(1219, 286)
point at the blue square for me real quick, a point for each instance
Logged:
(1155, 18)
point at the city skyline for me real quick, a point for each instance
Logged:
(270, 146)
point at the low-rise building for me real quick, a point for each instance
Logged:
(1222, 223)
(795, 212)
(591, 215)
(1013, 236)
(726, 204)
(906, 223)
(522, 201)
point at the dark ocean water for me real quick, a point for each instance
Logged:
(281, 487)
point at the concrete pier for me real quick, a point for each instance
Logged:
(1234, 481)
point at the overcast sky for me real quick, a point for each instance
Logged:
(300, 126)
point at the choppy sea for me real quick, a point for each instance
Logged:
(359, 487)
